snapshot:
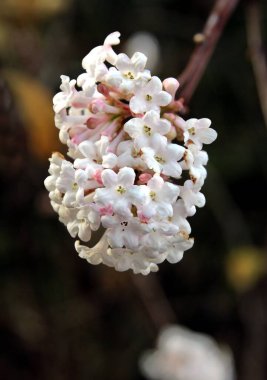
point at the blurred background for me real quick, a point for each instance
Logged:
(61, 318)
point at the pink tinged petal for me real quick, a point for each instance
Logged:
(144, 178)
(162, 98)
(109, 178)
(171, 85)
(207, 136)
(126, 176)
(97, 176)
(106, 210)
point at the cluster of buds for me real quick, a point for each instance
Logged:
(127, 178)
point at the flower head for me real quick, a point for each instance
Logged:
(128, 174)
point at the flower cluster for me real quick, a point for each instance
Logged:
(182, 354)
(137, 167)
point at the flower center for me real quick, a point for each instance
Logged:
(159, 159)
(147, 130)
(152, 195)
(192, 131)
(75, 186)
(121, 190)
(129, 75)
(148, 98)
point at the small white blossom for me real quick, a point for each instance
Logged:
(63, 99)
(199, 132)
(161, 195)
(182, 354)
(149, 97)
(162, 157)
(142, 129)
(191, 196)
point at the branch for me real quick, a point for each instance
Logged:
(154, 300)
(256, 54)
(206, 43)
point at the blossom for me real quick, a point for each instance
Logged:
(149, 97)
(161, 195)
(135, 168)
(182, 354)
(142, 129)
(119, 190)
(162, 157)
(199, 132)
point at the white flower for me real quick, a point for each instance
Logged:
(149, 97)
(194, 160)
(124, 232)
(119, 191)
(71, 183)
(54, 170)
(191, 196)
(198, 132)
(142, 129)
(163, 157)
(182, 354)
(93, 61)
(131, 72)
(161, 195)
(130, 155)
(63, 99)
(178, 244)
(95, 155)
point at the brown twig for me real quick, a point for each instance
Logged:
(256, 54)
(154, 300)
(206, 42)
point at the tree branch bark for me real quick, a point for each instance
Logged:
(206, 43)
(256, 53)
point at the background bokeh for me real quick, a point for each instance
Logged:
(61, 318)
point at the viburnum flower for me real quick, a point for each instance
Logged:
(136, 166)
(182, 354)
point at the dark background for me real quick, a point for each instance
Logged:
(61, 318)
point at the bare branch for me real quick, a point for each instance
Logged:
(256, 54)
(206, 42)
(154, 300)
